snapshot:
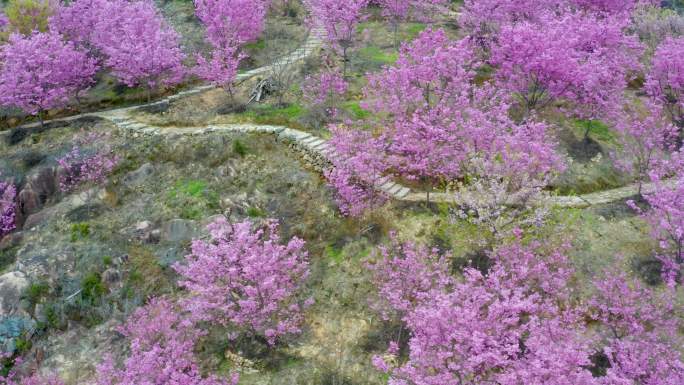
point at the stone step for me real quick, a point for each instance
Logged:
(315, 143)
(403, 192)
(394, 190)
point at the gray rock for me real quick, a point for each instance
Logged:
(10, 240)
(36, 219)
(143, 226)
(12, 287)
(178, 230)
(111, 276)
(137, 177)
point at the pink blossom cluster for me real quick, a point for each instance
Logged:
(324, 89)
(339, 19)
(41, 72)
(11, 378)
(246, 280)
(666, 217)
(32, 380)
(87, 165)
(232, 22)
(665, 81)
(357, 170)
(408, 276)
(162, 350)
(482, 19)
(8, 194)
(581, 59)
(222, 68)
(640, 331)
(132, 39)
(4, 21)
(229, 24)
(646, 140)
(519, 323)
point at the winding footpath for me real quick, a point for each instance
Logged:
(315, 150)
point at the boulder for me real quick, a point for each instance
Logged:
(137, 177)
(12, 287)
(178, 230)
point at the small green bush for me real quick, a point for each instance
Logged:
(79, 231)
(92, 287)
(239, 148)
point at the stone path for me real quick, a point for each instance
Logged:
(312, 43)
(319, 154)
(315, 150)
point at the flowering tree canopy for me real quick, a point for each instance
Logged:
(665, 80)
(41, 72)
(141, 49)
(231, 22)
(162, 343)
(576, 58)
(339, 19)
(246, 279)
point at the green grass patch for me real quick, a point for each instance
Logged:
(377, 55)
(597, 129)
(192, 188)
(334, 254)
(193, 199)
(356, 110)
(413, 29)
(274, 115)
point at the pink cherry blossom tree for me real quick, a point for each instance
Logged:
(340, 20)
(582, 60)
(162, 344)
(139, 47)
(666, 217)
(646, 140)
(8, 194)
(247, 280)
(229, 24)
(324, 89)
(222, 68)
(77, 21)
(509, 326)
(520, 322)
(665, 82)
(431, 71)
(639, 331)
(482, 19)
(357, 170)
(41, 72)
(232, 22)
(432, 123)
(612, 6)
